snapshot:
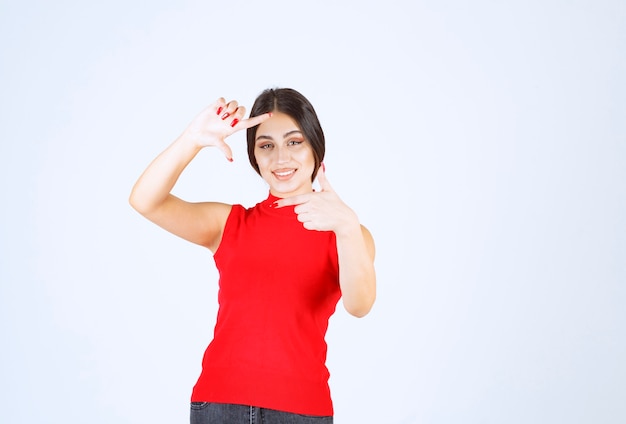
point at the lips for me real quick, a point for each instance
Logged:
(283, 174)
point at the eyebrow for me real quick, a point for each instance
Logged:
(287, 134)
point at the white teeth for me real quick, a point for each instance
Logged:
(284, 174)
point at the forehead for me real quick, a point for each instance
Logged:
(278, 125)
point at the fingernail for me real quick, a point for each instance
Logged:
(230, 159)
(323, 167)
(235, 122)
(219, 110)
(270, 113)
(225, 115)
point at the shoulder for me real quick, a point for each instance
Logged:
(234, 219)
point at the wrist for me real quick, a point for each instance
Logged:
(349, 227)
(188, 140)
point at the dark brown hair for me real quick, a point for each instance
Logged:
(292, 103)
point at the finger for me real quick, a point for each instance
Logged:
(228, 110)
(309, 225)
(218, 106)
(225, 148)
(239, 113)
(251, 122)
(237, 116)
(302, 209)
(321, 178)
(291, 201)
(303, 217)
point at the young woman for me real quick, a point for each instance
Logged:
(284, 263)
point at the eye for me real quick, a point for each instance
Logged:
(265, 146)
(295, 142)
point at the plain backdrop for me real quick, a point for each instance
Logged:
(483, 143)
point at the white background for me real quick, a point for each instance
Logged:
(483, 143)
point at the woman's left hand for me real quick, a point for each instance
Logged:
(322, 210)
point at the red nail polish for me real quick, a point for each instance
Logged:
(235, 122)
(225, 115)
(219, 110)
(230, 159)
(323, 167)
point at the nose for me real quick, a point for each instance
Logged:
(283, 154)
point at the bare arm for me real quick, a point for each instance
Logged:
(357, 277)
(200, 223)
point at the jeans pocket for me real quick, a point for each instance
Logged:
(196, 406)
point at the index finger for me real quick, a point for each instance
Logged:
(251, 122)
(292, 201)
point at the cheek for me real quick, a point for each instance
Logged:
(306, 157)
(262, 162)
(308, 163)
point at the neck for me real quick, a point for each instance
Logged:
(284, 194)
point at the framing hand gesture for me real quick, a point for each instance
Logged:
(218, 121)
(323, 210)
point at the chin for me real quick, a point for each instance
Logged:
(289, 188)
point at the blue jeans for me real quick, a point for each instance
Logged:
(219, 413)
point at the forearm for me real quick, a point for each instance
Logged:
(157, 181)
(357, 276)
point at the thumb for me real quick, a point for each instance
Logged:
(225, 148)
(321, 178)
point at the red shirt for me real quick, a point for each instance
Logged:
(279, 285)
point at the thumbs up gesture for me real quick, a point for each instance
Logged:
(322, 210)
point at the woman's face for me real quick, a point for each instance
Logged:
(284, 157)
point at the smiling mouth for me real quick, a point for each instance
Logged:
(284, 173)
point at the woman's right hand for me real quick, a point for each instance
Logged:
(218, 121)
